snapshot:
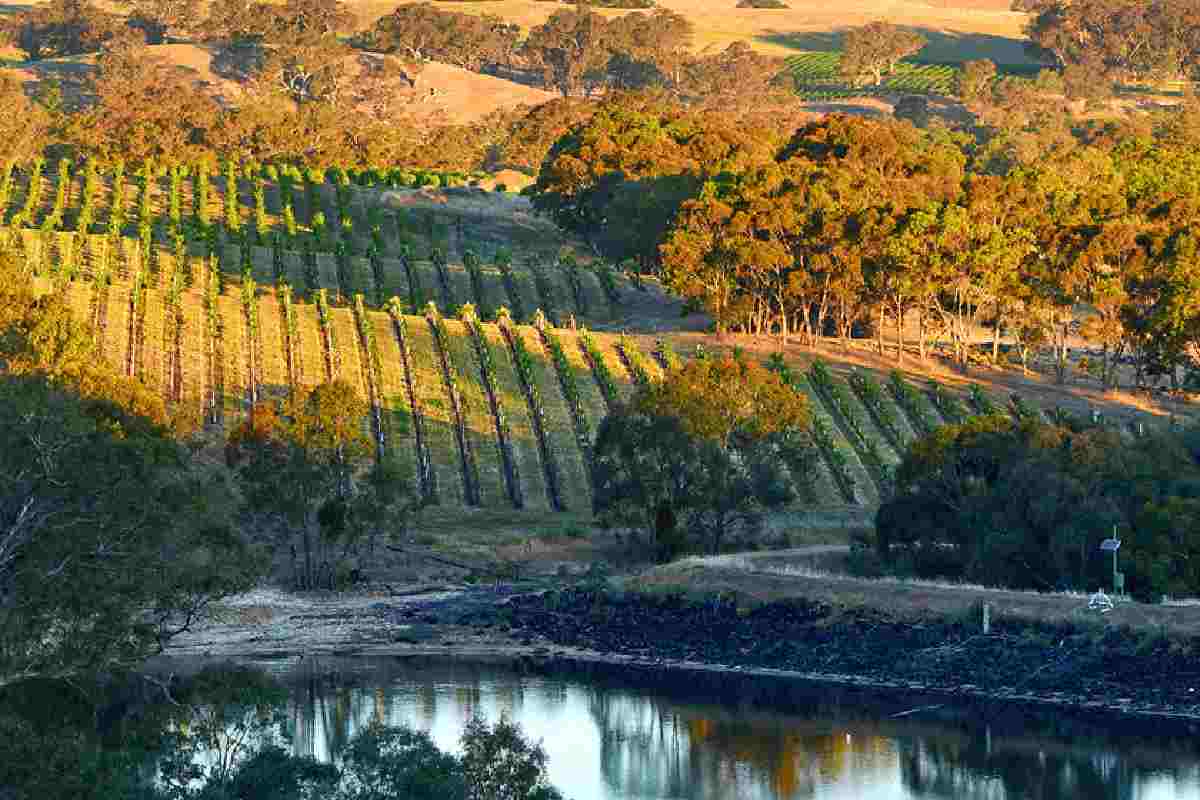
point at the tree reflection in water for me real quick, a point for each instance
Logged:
(604, 742)
(656, 748)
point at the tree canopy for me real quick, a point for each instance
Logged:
(702, 455)
(1027, 504)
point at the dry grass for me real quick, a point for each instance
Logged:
(908, 599)
(957, 29)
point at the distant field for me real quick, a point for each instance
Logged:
(957, 30)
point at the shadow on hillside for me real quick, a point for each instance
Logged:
(943, 46)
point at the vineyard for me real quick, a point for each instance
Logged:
(494, 414)
(335, 231)
(477, 364)
(817, 78)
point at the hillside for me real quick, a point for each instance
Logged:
(495, 415)
(957, 30)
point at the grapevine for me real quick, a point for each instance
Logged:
(503, 261)
(871, 395)
(569, 265)
(604, 378)
(545, 289)
(908, 399)
(331, 350)
(608, 281)
(836, 458)
(523, 363)
(950, 406)
(450, 375)
(373, 369)
(834, 393)
(427, 477)
(233, 217)
(471, 262)
(250, 307)
(487, 371)
(667, 356)
(566, 381)
(634, 360)
(261, 224)
(980, 400)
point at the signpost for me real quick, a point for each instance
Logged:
(1113, 545)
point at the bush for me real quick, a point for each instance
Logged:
(1024, 504)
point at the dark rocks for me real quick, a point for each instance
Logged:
(803, 636)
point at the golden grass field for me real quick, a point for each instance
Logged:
(956, 29)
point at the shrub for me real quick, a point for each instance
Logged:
(1024, 504)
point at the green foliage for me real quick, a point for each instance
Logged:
(608, 282)
(817, 77)
(115, 538)
(471, 263)
(523, 362)
(871, 394)
(604, 377)
(701, 456)
(821, 433)
(566, 382)
(487, 371)
(1016, 502)
(667, 356)
(499, 762)
(981, 401)
(634, 359)
(299, 474)
(948, 404)
(834, 393)
(906, 395)
(450, 373)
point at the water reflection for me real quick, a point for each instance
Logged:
(610, 743)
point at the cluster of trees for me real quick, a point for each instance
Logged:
(311, 476)
(849, 224)
(1115, 39)
(310, 95)
(701, 456)
(578, 52)
(1026, 504)
(113, 539)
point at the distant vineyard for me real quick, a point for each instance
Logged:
(817, 78)
(310, 229)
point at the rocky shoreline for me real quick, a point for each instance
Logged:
(771, 655)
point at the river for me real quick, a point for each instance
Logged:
(619, 742)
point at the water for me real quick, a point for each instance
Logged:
(611, 742)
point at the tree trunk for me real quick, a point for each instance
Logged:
(899, 332)
(996, 337)
(921, 333)
(879, 331)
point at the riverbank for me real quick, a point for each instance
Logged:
(717, 648)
